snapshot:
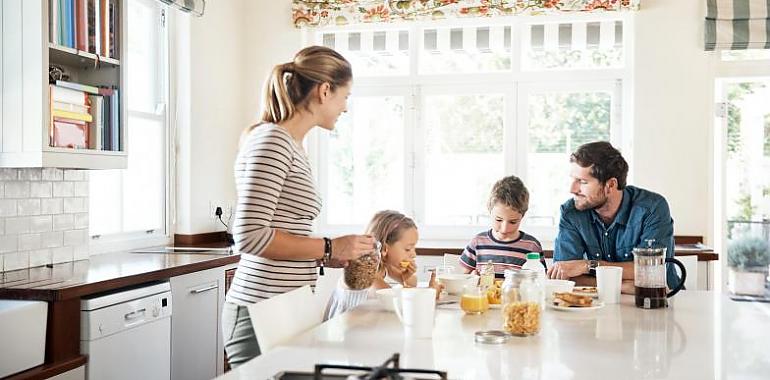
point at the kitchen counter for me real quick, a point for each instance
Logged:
(101, 273)
(702, 335)
(62, 286)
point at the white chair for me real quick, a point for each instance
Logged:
(453, 261)
(326, 284)
(691, 264)
(284, 316)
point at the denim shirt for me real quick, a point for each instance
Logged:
(642, 215)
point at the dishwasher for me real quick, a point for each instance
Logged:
(127, 334)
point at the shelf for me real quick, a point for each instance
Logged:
(66, 158)
(73, 57)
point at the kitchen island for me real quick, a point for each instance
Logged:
(702, 335)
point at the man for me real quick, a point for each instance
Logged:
(605, 219)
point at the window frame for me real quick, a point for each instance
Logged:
(135, 239)
(513, 82)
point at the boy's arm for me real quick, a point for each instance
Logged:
(468, 257)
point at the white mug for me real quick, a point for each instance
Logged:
(608, 283)
(416, 308)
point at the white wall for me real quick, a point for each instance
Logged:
(209, 113)
(237, 42)
(672, 140)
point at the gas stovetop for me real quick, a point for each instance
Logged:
(389, 370)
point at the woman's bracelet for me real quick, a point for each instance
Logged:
(327, 255)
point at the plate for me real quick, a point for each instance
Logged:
(495, 306)
(596, 305)
(586, 291)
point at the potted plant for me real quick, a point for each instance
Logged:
(748, 260)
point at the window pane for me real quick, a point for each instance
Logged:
(748, 159)
(464, 156)
(745, 55)
(465, 50)
(366, 160)
(370, 53)
(143, 54)
(574, 45)
(144, 180)
(105, 193)
(559, 122)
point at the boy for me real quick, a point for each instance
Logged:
(504, 244)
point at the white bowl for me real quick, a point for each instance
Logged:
(385, 296)
(561, 286)
(454, 283)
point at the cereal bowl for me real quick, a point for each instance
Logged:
(454, 283)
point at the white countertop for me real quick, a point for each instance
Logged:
(702, 335)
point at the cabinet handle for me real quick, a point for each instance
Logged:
(201, 290)
(134, 314)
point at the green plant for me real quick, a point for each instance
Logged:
(747, 252)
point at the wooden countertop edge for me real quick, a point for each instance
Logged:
(116, 283)
(702, 255)
(46, 371)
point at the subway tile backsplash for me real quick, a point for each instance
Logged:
(43, 217)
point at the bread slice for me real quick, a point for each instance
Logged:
(573, 300)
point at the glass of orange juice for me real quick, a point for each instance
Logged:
(474, 300)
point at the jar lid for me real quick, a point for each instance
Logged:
(492, 337)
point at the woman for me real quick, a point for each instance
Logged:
(277, 200)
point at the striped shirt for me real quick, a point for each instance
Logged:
(275, 192)
(503, 254)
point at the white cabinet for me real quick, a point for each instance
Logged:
(25, 117)
(197, 351)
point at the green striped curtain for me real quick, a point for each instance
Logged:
(737, 24)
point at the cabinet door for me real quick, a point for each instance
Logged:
(195, 324)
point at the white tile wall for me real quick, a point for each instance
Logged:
(43, 217)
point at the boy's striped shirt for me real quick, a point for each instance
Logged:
(503, 254)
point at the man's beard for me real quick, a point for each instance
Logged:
(582, 203)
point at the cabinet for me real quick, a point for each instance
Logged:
(197, 348)
(26, 52)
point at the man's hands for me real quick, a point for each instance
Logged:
(564, 270)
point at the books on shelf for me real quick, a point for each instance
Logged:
(84, 116)
(87, 25)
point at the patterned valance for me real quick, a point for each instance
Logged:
(737, 24)
(312, 13)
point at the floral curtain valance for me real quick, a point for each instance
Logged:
(737, 24)
(313, 13)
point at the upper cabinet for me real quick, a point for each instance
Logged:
(62, 75)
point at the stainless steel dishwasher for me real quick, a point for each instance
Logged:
(127, 334)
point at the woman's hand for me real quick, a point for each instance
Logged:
(351, 247)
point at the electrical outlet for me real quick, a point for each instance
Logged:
(227, 209)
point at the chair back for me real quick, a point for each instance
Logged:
(280, 318)
(452, 260)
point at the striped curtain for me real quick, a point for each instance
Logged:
(737, 24)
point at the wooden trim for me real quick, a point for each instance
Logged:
(705, 255)
(208, 239)
(688, 239)
(46, 371)
(62, 337)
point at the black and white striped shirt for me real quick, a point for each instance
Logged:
(275, 192)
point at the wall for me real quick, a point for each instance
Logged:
(231, 50)
(672, 138)
(209, 114)
(43, 217)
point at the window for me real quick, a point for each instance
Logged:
(441, 110)
(131, 203)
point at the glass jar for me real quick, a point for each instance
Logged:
(474, 299)
(510, 288)
(522, 308)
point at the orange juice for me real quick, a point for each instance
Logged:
(474, 304)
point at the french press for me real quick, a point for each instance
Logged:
(650, 276)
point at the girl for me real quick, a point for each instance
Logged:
(277, 200)
(398, 235)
